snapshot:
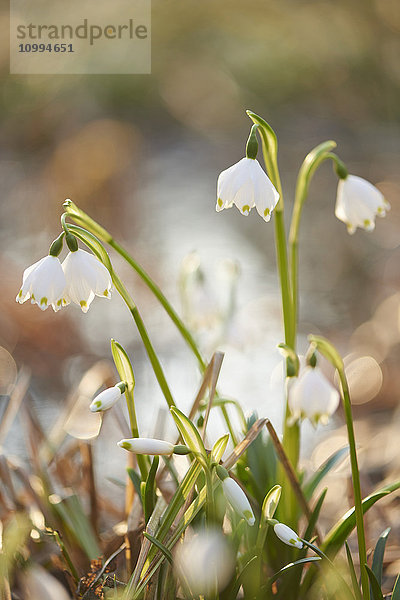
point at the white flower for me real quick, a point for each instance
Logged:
(86, 278)
(287, 535)
(147, 446)
(206, 562)
(238, 499)
(358, 202)
(312, 396)
(107, 398)
(246, 185)
(44, 282)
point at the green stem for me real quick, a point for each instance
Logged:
(210, 506)
(355, 473)
(141, 460)
(155, 363)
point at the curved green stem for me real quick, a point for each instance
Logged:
(311, 163)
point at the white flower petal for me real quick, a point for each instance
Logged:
(106, 399)
(312, 396)
(44, 282)
(238, 499)
(358, 202)
(246, 185)
(86, 277)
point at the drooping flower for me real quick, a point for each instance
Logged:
(311, 396)
(205, 561)
(147, 446)
(86, 278)
(246, 185)
(358, 202)
(107, 398)
(287, 535)
(235, 496)
(44, 283)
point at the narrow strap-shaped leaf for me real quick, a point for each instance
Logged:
(377, 562)
(160, 546)
(354, 580)
(240, 578)
(149, 490)
(123, 364)
(296, 563)
(375, 587)
(311, 485)
(134, 477)
(189, 432)
(336, 537)
(315, 515)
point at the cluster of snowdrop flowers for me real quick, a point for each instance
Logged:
(78, 279)
(246, 185)
(312, 397)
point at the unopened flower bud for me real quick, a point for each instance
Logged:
(107, 398)
(147, 446)
(287, 535)
(238, 499)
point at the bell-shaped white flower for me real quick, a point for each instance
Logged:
(238, 499)
(311, 396)
(147, 446)
(246, 185)
(287, 535)
(44, 283)
(205, 561)
(358, 202)
(86, 278)
(107, 398)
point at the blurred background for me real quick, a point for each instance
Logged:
(141, 154)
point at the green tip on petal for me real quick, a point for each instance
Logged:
(246, 209)
(83, 303)
(105, 293)
(43, 300)
(219, 202)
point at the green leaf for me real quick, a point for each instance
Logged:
(377, 562)
(71, 512)
(396, 589)
(150, 489)
(375, 587)
(134, 477)
(328, 350)
(160, 546)
(189, 433)
(336, 537)
(296, 563)
(354, 581)
(123, 364)
(219, 448)
(311, 485)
